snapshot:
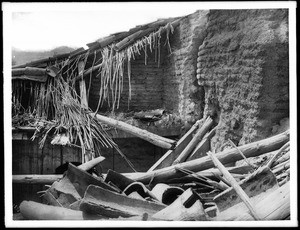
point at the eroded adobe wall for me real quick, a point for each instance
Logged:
(243, 68)
(182, 93)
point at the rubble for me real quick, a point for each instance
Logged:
(202, 189)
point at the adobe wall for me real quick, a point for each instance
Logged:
(231, 64)
(243, 67)
(182, 93)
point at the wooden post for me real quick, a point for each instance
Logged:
(83, 96)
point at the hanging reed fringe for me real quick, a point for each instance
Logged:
(54, 106)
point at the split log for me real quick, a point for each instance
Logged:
(100, 201)
(143, 134)
(141, 189)
(117, 179)
(168, 158)
(62, 192)
(32, 210)
(273, 205)
(187, 207)
(81, 180)
(227, 156)
(234, 185)
(196, 139)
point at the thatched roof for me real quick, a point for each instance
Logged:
(55, 103)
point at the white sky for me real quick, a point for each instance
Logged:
(36, 27)
(43, 26)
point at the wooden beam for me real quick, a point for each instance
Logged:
(168, 158)
(196, 139)
(227, 156)
(141, 133)
(35, 179)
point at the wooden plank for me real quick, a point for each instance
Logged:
(168, 158)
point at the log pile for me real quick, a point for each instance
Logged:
(178, 188)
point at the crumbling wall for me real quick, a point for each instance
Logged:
(181, 92)
(243, 68)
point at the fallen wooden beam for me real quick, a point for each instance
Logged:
(196, 139)
(50, 178)
(141, 133)
(227, 156)
(203, 147)
(36, 179)
(168, 158)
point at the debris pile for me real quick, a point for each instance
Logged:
(189, 183)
